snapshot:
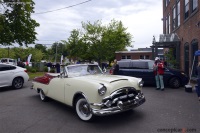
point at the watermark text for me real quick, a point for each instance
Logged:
(177, 130)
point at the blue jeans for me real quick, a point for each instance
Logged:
(159, 81)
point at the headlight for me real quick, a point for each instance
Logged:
(140, 83)
(102, 90)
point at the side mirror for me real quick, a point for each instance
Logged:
(62, 75)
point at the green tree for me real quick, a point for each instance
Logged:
(98, 42)
(115, 38)
(93, 34)
(16, 24)
(50, 55)
(171, 61)
(3, 52)
(37, 55)
(21, 53)
(41, 47)
(75, 47)
(58, 49)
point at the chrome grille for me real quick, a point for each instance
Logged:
(126, 95)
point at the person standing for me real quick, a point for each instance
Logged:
(198, 80)
(58, 67)
(115, 68)
(158, 69)
(49, 65)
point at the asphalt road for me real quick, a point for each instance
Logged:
(169, 111)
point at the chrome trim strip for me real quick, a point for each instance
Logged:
(117, 80)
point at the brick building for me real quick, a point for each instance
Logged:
(181, 18)
(140, 53)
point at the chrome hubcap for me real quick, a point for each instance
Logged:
(84, 108)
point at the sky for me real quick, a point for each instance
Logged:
(58, 18)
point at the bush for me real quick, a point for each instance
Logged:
(45, 69)
(52, 70)
(28, 68)
(33, 70)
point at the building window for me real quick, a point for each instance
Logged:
(174, 17)
(166, 26)
(194, 5)
(194, 48)
(147, 57)
(167, 23)
(186, 9)
(169, 28)
(186, 55)
(126, 57)
(167, 3)
(144, 56)
(178, 13)
(141, 56)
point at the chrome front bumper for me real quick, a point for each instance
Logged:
(120, 106)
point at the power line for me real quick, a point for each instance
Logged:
(63, 7)
(49, 40)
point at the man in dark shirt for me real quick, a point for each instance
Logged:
(115, 68)
(58, 67)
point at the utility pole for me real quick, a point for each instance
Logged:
(56, 51)
(8, 52)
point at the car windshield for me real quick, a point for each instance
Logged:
(82, 70)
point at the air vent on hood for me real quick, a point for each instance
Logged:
(117, 80)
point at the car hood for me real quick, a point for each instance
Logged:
(107, 78)
(175, 70)
(112, 82)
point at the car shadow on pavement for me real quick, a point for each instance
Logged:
(124, 117)
(5, 89)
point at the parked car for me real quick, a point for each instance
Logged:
(8, 61)
(89, 91)
(144, 69)
(11, 75)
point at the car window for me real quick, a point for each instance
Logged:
(81, 70)
(139, 65)
(150, 64)
(3, 60)
(124, 64)
(11, 61)
(6, 67)
(12, 68)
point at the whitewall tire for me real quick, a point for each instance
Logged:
(83, 110)
(42, 96)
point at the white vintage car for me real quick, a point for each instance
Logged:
(89, 91)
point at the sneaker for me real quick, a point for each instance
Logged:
(157, 88)
(162, 89)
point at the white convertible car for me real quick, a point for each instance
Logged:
(89, 91)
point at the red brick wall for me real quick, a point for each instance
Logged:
(133, 55)
(187, 31)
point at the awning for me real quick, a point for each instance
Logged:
(166, 41)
